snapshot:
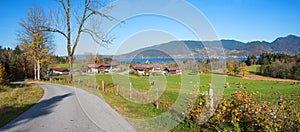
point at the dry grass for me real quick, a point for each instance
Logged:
(264, 78)
(16, 99)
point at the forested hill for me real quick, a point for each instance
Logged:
(288, 45)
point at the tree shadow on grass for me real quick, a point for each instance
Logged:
(40, 109)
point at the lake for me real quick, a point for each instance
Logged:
(161, 60)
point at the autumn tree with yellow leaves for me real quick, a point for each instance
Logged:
(38, 52)
(243, 69)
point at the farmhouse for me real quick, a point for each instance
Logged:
(58, 70)
(93, 68)
(146, 69)
(104, 67)
(172, 70)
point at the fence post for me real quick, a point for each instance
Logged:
(157, 101)
(103, 86)
(95, 84)
(130, 90)
(211, 100)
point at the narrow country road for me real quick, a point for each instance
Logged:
(65, 108)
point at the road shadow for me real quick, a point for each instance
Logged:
(42, 108)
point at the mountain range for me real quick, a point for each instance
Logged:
(186, 48)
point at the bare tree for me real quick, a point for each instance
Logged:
(70, 22)
(33, 22)
(35, 43)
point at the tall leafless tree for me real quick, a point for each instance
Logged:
(33, 22)
(31, 25)
(71, 21)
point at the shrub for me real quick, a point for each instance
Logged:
(132, 73)
(243, 113)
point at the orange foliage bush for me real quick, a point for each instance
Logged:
(243, 113)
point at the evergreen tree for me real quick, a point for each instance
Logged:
(297, 71)
(251, 60)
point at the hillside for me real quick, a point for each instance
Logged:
(186, 48)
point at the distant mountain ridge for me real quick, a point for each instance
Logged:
(288, 45)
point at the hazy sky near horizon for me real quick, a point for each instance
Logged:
(243, 20)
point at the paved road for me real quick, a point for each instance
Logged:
(65, 108)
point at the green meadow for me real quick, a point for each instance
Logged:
(66, 65)
(170, 87)
(253, 69)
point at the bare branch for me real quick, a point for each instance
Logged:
(76, 15)
(56, 19)
(93, 12)
(48, 29)
(26, 27)
(80, 27)
(64, 6)
(96, 37)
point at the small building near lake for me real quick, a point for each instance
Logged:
(58, 70)
(172, 70)
(146, 69)
(104, 67)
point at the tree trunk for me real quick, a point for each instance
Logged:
(34, 71)
(38, 70)
(25, 68)
(71, 68)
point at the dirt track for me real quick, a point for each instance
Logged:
(258, 77)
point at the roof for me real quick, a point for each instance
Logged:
(145, 66)
(112, 63)
(59, 68)
(93, 65)
(172, 68)
(103, 64)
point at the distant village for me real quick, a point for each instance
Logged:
(141, 69)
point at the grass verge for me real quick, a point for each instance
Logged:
(16, 99)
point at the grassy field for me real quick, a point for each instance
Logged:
(16, 99)
(264, 91)
(134, 108)
(253, 69)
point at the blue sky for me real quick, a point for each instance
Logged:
(243, 20)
